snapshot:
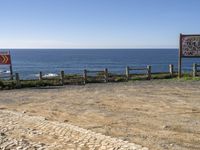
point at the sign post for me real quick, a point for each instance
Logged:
(189, 47)
(5, 59)
(180, 58)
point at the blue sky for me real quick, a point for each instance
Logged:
(96, 23)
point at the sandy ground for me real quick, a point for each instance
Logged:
(159, 114)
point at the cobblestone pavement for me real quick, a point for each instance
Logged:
(22, 132)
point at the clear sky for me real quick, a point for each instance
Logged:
(96, 23)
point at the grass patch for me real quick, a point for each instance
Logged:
(188, 76)
(75, 79)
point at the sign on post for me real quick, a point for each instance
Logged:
(189, 47)
(5, 59)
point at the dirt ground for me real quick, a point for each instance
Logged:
(158, 114)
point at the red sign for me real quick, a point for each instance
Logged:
(5, 58)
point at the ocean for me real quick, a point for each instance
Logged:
(28, 62)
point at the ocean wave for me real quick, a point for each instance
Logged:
(4, 71)
(37, 75)
(48, 75)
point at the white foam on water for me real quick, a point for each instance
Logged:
(48, 75)
(7, 71)
(37, 75)
(4, 71)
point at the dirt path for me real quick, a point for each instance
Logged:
(161, 114)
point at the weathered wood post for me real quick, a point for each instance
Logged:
(85, 76)
(18, 84)
(11, 72)
(127, 73)
(40, 76)
(62, 77)
(194, 70)
(180, 57)
(106, 74)
(171, 70)
(149, 72)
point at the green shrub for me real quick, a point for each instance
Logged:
(1, 84)
(119, 79)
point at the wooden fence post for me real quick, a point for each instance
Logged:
(62, 77)
(149, 72)
(85, 76)
(127, 73)
(106, 74)
(40, 76)
(171, 70)
(18, 84)
(11, 72)
(194, 70)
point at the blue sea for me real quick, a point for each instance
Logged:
(28, 62)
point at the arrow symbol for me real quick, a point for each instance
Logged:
(6, 59)
(3, 59)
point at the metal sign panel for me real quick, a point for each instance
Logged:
(5, 58)
(190, 45)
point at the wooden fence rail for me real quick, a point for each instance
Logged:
(104, 74)
(195, 69)
(62, 77)
(86, 72)
(7, 77)
(147, 69)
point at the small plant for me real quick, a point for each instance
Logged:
(187, 76)
(1, 84)
(196, 79)
(119, 79)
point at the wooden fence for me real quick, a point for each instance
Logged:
(195, 69)
(171, 70)
(7, 77)
(147, 69)
(104, 74)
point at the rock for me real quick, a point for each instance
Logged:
(19, 148)
(166, 127)
(2, 134)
